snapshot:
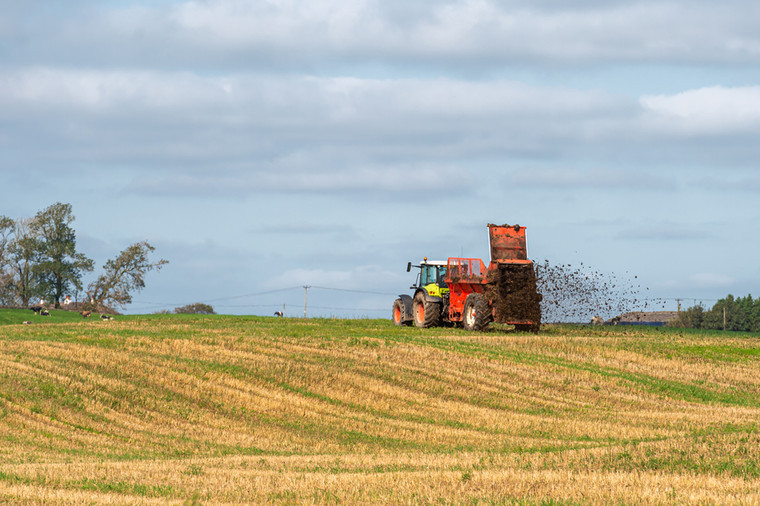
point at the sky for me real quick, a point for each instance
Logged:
(266, 145)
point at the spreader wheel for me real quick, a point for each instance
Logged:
(477, 312)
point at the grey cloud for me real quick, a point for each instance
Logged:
(305, 228)
(305, 133)
(485, 34)
(135, 116)
(389, 180)
(569, 179)
(730, 183)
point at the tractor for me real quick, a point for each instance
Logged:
(462, 291)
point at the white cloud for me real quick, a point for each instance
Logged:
(358, 277)
(307, 133)
(710, 280)
(712, 110)
(485, 31)
(129, 116)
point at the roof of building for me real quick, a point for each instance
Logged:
(645, 317)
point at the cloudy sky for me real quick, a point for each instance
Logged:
(264, 145)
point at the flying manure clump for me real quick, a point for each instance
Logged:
(576, 294)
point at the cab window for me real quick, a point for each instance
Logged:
(432, 274)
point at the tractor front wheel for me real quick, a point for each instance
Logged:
(477, 312)
(426, 314)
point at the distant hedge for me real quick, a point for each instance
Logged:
(197, 308)
(742, 314)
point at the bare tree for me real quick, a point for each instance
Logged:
(123, 275)
(7, 227)
(23, 258)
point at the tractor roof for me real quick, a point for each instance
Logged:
(434, 262)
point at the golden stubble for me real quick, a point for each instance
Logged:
(253, 415)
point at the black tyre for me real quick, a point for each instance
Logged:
(426, 313)
(477, 312)
(398, 313)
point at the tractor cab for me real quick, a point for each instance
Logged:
(431, 277)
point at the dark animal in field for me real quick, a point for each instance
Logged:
(86, 314)
(45, 312)
(106, 317)
(36, 309)
(278, 313)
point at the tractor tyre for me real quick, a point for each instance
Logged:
(426, 314)
(477, 312)
(398, 314)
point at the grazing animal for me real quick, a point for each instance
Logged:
(85, 314)
(278, 313)
(106, 317)
(26, 323)
(36, 309)
(45, 312)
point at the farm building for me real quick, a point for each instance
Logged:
(651, 318)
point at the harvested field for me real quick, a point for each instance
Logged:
(216, 409)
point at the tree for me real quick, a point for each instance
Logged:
(23, 257)
(738, 314)
(60, 265)
(6, 234)
(197, 308)
(123, 274)
(7, 226)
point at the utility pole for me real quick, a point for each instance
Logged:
(724, 317)
(305, 298)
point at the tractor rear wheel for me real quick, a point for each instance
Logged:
(477, 312)
(398, 313)
(426, 313)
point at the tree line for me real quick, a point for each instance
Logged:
(39, 260)
(742, 314)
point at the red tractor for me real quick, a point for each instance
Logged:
(462, 291)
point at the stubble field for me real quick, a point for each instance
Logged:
(226, 409)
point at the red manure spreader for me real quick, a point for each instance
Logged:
(463, 291)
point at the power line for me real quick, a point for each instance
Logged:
(355, 291)
(149, 305)
(253, 294)
(267, 292)
(350, 308)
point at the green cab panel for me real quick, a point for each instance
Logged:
(434, 290)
